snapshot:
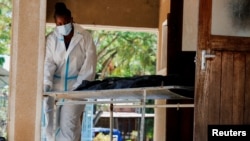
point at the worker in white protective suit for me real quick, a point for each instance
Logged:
(70, 58)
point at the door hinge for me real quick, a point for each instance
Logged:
(204, 57)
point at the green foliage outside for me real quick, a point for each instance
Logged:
(125, 54)
(5, 27)
(5, 35)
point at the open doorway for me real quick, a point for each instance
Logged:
(123, 53)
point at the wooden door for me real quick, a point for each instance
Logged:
(222, 94)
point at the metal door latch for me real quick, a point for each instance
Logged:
(205, 56)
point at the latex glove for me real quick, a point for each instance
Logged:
(47, 88)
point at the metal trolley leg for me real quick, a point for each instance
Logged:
(143, 115)
(111, 121)
(55, 119)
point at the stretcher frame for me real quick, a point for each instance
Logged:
(127, 95)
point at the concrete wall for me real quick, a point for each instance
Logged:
(128, 13)
(190, 25)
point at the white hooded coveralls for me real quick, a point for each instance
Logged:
(64, 70)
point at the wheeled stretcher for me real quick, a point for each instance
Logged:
(131, 95)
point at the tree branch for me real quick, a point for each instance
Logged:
(4, 5)
(105, 47)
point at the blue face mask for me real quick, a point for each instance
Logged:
(64, 29)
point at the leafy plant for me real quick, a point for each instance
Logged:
(122, 53)
(5, 27)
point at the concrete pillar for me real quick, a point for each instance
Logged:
(26, 69)
(160, 122)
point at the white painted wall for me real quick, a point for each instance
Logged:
(190, 25)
